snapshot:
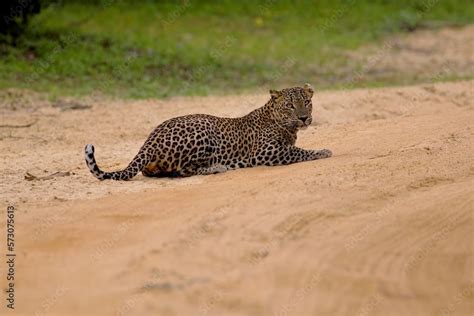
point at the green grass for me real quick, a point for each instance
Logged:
(160, 49)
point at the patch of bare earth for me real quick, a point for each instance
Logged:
(384, 227)
(422, 55)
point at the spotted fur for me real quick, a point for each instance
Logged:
(203, 144)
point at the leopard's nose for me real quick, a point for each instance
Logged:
(303, 118)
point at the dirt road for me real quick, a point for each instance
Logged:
(385, 227)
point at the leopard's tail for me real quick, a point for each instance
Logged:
(135, 166)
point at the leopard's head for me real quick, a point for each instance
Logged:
(292, 107)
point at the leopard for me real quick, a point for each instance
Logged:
(201, 144)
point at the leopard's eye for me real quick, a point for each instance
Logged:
(307, 103)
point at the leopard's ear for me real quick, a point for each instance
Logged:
(275, 94)
(308, 89)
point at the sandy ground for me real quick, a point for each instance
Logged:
(424, 55)
(385, 227)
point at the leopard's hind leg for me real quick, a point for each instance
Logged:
(193, 169)
(152, 170)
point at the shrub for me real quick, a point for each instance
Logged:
(14, 17)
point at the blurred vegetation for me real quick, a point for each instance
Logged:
(161, 48)
(15, 16)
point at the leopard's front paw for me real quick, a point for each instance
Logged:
(324, 153)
